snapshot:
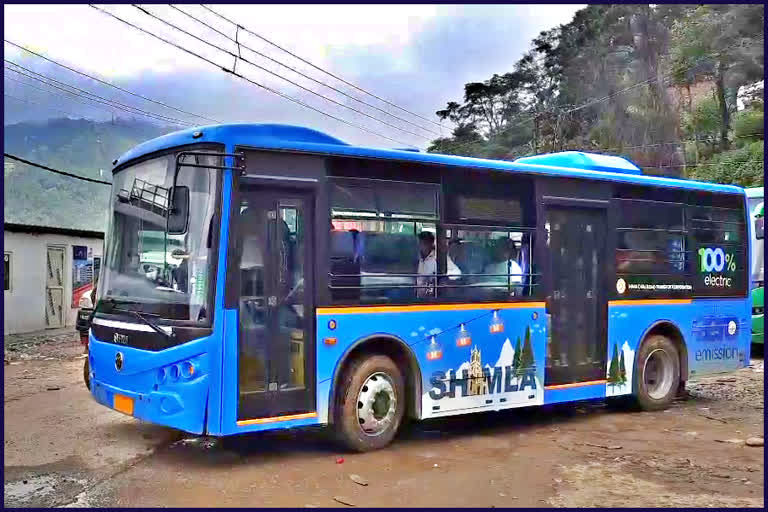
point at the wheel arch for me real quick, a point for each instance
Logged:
(401, 354)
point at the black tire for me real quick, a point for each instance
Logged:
(347, 424)
(663, 355)
(87, 373)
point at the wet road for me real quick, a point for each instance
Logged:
(63, 449)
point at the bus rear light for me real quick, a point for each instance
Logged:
(330, 341)
(175, 372)
(162, 375)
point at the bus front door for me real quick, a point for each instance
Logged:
(275, 349)
(576, 246)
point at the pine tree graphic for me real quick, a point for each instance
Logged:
(526, 358)
(613, 371)
(516, 357)
(622, 370)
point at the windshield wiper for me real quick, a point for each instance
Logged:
(113, 302)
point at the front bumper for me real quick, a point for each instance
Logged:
(152, 383)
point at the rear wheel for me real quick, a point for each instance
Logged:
(370, 403)
(657, 378)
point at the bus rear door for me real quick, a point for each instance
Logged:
(575, 261)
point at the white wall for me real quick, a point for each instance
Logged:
(24, 304)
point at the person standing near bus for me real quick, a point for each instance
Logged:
(428, 266)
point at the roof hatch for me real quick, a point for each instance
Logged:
(584, 161)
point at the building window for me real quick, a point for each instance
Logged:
(7, 271)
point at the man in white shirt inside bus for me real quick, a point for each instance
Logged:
(506, 270)
(428, 266)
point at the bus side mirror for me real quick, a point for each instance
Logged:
(760, 228)
(178, 217)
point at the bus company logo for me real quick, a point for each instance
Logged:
(119, 361)
(122, 339)
(716, 260)
(621, 286)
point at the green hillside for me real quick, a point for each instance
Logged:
(36, 196)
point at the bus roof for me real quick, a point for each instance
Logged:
(299, 139)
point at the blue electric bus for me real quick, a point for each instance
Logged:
(263, 276)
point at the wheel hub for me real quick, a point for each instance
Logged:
(658, 373)
(376, 404)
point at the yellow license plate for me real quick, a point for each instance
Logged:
(123, 404)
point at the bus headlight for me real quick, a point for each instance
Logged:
(187, 370)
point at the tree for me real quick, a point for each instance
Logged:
(516, 357)
(488, 106)
(742, 166)
(622, 368)
(602, 83)
(526, 358)
(720, 42)
(613, 371)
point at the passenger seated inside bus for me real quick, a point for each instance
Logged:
(428, 266)
(505, 271)
(493, 267)
(372, 266)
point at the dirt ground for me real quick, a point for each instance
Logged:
(63, 449)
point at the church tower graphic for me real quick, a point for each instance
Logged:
(478, 385)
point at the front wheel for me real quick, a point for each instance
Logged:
(657, 378)
(371, 403)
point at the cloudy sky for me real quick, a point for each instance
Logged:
(415, 56)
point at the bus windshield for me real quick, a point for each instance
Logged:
(146, 268)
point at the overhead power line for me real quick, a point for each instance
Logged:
(93, 97)
(109, 84)
(318, 67)
(286, 66)
(278, 75)
(243, 77)
(58, 94)
(42, 105)
(57, 171)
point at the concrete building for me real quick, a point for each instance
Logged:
(40, 272)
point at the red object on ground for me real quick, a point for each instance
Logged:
(340, 460)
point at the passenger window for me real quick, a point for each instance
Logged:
(488, 264)
(651, 238)
(717, 237)
(380, 241)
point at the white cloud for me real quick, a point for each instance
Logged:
(418, 56)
